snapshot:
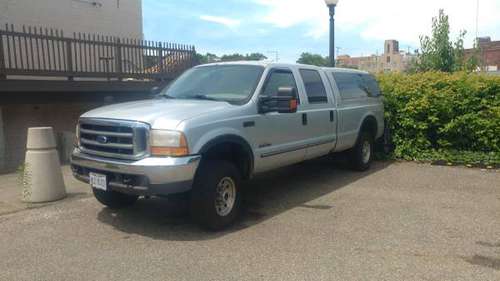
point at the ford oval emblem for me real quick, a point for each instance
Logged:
(102, 139)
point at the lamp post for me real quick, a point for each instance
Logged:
(331, 6)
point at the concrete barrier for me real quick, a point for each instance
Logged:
(42, 175)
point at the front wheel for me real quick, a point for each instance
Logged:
(361, 155)
(216, 195)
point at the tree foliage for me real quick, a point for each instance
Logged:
(209, 58)
(439, 53)
(313, 59)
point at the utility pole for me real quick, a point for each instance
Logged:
(276, 55)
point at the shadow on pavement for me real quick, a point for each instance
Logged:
(266, 196)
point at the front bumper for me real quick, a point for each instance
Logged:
(148, 176)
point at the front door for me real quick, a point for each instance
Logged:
(281, 139)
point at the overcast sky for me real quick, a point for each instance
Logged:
(295, 26)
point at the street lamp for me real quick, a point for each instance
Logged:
(331, 5)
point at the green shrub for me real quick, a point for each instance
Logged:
(435, 115)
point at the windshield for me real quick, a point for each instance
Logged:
(231, 83)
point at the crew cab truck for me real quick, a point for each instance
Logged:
(219, 124)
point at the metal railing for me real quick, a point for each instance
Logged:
(36, 51)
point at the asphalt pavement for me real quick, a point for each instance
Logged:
(312, 221)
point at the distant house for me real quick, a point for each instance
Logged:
(121, 18)
(391, 60)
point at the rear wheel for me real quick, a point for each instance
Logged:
(216, 195)
(361, 155)
(113, 199)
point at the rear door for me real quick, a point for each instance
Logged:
(319, 114)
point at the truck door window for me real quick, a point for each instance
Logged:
(275, 80)
(371, 85)
(315, 89)
(349, 84)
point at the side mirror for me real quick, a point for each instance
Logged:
(284, 102)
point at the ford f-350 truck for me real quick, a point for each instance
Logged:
(219, 124)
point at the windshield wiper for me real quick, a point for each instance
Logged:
(203, 97)
(165, 96)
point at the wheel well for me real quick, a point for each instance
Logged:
(369, 125)
(232, 151)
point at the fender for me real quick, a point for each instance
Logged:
(369, 117)
(230, 138)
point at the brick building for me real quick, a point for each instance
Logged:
(488, 53)
(391, 60)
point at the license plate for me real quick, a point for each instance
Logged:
(98, 181)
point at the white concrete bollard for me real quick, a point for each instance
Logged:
(42, 176)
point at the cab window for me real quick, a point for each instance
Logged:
(315, 89)
(276, 79)
(349, 84)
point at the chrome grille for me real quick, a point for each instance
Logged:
(113, 138)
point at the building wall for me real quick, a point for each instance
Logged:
(488, 54)
(391, 60)
(17, 118)
(3, 146)
(122, 18)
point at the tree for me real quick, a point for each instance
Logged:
(255, 56)
(247, 57)
(233, 57)
(438, 52)
(209, 58)
(313, 59)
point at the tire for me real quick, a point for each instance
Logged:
(113, 199)
(361, 155)
(211, 177)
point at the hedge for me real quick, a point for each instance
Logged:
(442, 116)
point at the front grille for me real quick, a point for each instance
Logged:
(113, 138)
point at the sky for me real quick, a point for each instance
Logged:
(290, 27)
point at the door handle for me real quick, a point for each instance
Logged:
(304, 119)
(332, 117)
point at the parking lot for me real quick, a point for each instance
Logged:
(312, 221)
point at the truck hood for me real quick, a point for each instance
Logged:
(159, 113)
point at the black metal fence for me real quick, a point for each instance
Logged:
(35, 51)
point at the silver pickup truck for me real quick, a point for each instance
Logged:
(219, 124)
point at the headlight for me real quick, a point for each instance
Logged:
(168, 143)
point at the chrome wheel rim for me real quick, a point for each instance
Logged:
(366, 151)
(225, 196)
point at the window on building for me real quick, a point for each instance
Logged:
(315, 89)
(388, 59)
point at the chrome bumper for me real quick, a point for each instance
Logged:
(148, 176)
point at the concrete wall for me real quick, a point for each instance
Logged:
(17, 118)
(122, 18)
(2, 143)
